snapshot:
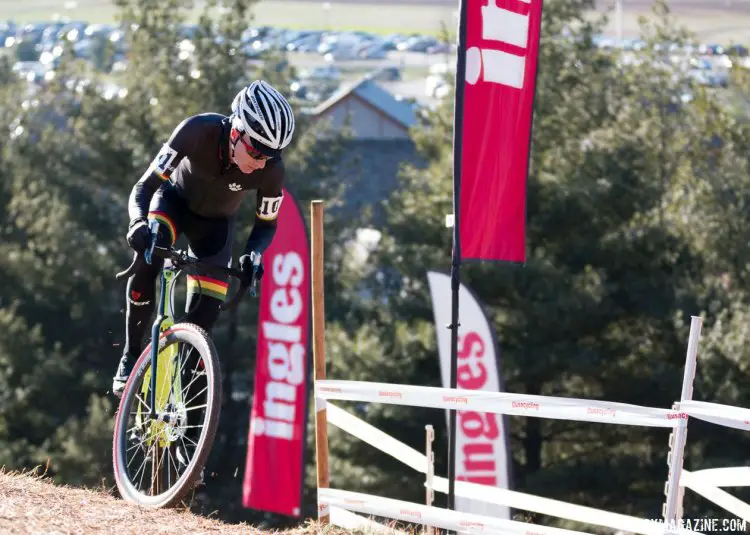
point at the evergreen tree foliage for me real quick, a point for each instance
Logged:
(631, 166)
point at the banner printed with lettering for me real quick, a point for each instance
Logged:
(481, 438)
(502, 44)
(274, 468)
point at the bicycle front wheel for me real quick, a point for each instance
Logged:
(158, 455)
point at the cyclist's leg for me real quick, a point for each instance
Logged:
(211, 242)
(167, 208)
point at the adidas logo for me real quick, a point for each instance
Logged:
(235, 187)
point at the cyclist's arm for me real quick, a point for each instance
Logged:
(270, 195)
(140, 195)
(161, 169)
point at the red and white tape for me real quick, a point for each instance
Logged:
(500, 496)
(432, 516)
(716, 413)
(580, 410)
(348, 520)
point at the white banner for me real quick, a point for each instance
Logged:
(481, 446)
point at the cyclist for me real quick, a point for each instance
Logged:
(195, 186)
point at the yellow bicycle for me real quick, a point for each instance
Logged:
(166, 421)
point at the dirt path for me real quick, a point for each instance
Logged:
(29, 505)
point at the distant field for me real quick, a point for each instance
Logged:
(386, 17)
(719, 21)
(710, 20)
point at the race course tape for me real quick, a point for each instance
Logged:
(719, 497)
(725, 415)
(580, 410)
(432, 516)
(495, 495)
(348, 520)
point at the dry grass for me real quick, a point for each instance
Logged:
(31, 504)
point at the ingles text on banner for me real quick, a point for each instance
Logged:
(481, 438)
(275, 465)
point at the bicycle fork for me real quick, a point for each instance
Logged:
(155, 329)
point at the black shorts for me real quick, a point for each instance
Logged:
(209, 239)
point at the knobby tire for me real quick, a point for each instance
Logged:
(194, 335)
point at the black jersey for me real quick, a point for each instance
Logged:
(195, 162)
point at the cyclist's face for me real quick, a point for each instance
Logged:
(244, 155)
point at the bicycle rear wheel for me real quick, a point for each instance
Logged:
(158, 460)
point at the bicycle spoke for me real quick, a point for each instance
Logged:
(184, 448)
(141, 442)
(169, 469)
(184, 358)
(161, 457)
(143, 464)
(133, 458)
(205, 389)
(195, 378)
(156, 471)
(138, 397)
(173, 464)
(137, 444)
(194, 443)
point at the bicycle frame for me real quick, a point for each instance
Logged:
(167, 275)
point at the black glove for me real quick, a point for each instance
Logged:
(247, 267)
(139, 236)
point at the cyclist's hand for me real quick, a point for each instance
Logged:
(139, 237)
(248, 267)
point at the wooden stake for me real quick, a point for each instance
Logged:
(319, 353)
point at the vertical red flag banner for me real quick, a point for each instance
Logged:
(502, 45)
(274, 468)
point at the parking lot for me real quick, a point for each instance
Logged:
(411, 65)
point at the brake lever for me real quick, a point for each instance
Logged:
(153, 227)
(234, 301)
(253, 285)
(256, 266)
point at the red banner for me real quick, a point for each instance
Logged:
(274, 469)
(502, 44)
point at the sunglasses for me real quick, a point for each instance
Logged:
(252, 151)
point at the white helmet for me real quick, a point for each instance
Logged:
(265, 115)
